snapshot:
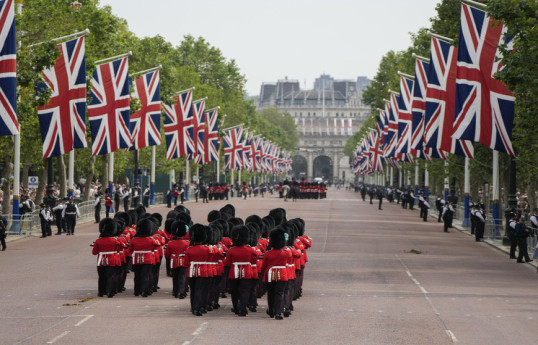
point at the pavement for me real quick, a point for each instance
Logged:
(373, 277)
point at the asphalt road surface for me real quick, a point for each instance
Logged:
(364, 284)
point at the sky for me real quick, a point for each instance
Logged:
(298, 39)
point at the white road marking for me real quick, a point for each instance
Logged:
(380, 311)
(196, 333)
(451, 336)
(320, 309)
(83, 320)
(58, 337)
(530, 318)
(427, 298)
(350, 310)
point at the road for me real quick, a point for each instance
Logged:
(364, 284)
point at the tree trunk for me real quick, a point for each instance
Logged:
(25, 172)
(89, 179)
(8, 170)
(41, 185)
(62, 178)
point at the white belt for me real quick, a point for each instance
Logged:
(101, 257)
(192, 269)
(271, 271)
(172, 259)
(236, 267)
(141, 252)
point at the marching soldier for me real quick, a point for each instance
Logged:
(106, 248)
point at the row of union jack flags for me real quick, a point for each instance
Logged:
(244, 150)
(452, 101)
(191, 131)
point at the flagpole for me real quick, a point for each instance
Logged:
(232, 172)
(80, 33)
(111, 178)
(496, 205)
(466, 194)
(146, 71)
(187, 179)
(152, 182)
(426, 181)
(417, 180)
(113, 58)
(450, 40)
(15, 226)
(192, 88)
(71, 174)
(446, 182)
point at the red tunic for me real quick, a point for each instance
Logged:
(142, 249)
(197, 258)
(107, 250)
(274, 264)
(240, 259)
(175, 251)
(299, 262)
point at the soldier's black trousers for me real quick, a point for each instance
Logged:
(275, 296)
(197, 287)
(240, 289)
(105, 282)
(142, 278)
(178, 280)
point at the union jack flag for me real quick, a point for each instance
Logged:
(440, 99)
(405, 117)
(9, 125)
(484, 106)
(63, 120)
(375, 151)
(146, 122)
(109, 108)
(197, 132)
(248, 161)
(211, 136)
(257, 152)
(177, 120)
(392, 137)
(419, 104)
(232, 148)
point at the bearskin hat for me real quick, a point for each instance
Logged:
(107, 227)
(236, 221)
(172, 214)
(140, 210)
(242, 235)
(277, 215)
(134, 216)
(158, 217)
(181, 208)
(168, 226)
(225, 216)
(253, 219)
(197, 233)
(254, 235)
(213, 215)
(185, 217)
(144, 228)
(228, 208)
(277, 239)
(269, 221)
(125, 217)
(224, 226)
(179, 228)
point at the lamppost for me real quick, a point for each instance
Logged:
(512, 200)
